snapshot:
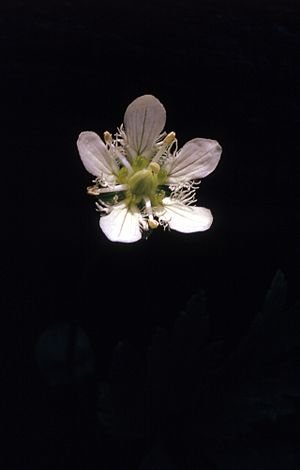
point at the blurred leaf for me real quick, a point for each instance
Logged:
(121, 402)
(64, 354)
(157, 459)
(199, 391)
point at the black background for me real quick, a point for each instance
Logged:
(223, 70)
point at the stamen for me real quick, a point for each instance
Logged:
(122, 159)
(95, 191)
(107, 138)
(155, 167)
(151, 221)
(168, 140)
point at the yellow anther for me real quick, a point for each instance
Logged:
(107, 137)
(153, 223)
(154, 166)
(169, 138)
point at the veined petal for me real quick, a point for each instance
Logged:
(183, 218)
(95, 156)
(122, 224)
(195, 160)
(144, 120)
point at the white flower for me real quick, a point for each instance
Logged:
(142, 179)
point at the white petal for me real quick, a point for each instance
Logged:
(144, 120)
(183, 218)
(95, 156)
(195, 160)
(122, 224)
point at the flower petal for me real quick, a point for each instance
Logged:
(95, 156)
(183, 218)
(122, 224)
(144, 120)
(195, 160)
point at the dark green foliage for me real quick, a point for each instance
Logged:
(196, 401)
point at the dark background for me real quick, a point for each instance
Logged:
(223, 70)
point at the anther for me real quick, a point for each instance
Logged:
(154, 166)
(93, 190)
(169, 138)
(165, 144)
(153, 223)
(107, 137)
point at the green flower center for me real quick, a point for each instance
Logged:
(143, 183)
(146, 180)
